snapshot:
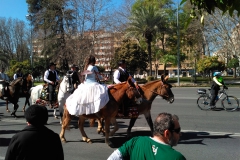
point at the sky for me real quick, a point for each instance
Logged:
(18, 9)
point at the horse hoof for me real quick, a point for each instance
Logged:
(56, 117)
(110, 144)
(8, 110)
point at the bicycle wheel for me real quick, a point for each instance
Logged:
(203, 102)
(230, 103)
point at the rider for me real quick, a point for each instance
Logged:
(94, 96)
(4, 81)
(75, 78)
(18, 73)
(51, 77)
(121, 75)
(217, 82)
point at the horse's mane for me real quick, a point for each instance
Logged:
(15, 81)
(151, 82)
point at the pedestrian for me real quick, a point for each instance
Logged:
(94, 96)
(166, 133)
(4, 82)
(51, 78)
(35, 141)
(75, 78)
(26, 86)
(217, 82)
(18, 73)
(121, 75)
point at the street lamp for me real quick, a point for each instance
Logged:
(178, 58)
(29, 17)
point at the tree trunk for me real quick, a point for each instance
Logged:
(234, 72)
(149, 57)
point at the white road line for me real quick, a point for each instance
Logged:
(203, 132)
(2, 157)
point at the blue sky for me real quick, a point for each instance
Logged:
(16, 9)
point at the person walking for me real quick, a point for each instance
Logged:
(166, 134)
(35, 141)
(4, 82)
(51, 78)
(75, 78)
(216, 83)
(26, 86)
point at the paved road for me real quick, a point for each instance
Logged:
(208, 135)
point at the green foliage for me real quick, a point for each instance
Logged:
(101, 69)
(133, 54)
(233, 63)
(25, 66)
(150, 78)
(208, 64)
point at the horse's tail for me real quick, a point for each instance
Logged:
(30, 90)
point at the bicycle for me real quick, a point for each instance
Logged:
(229, 103)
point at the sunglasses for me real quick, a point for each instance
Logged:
(178, 130)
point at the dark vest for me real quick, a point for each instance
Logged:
(52, 76)
(19, 75)
(123, 75)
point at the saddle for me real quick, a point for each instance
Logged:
(45, 93)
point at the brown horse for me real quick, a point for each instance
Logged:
(117, 94)
(150, 91)
(13, 94)
(26, 85)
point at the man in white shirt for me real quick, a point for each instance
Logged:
(4, 80)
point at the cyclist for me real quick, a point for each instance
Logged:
(217, 82)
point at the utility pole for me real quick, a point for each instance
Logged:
(178, 58)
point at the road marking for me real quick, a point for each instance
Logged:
(203, 133)
(13, 120)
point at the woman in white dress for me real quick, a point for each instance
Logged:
(90, 96)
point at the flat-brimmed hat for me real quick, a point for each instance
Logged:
(73, 66)
(121, 62)
(36, 115)
(52, 64)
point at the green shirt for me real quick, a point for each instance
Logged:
(139, 148)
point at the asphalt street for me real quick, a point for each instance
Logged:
(208, 135)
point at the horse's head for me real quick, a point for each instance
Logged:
(67, 82)
(164, 90)
(132, 92)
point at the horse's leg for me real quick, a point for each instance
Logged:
(54, 113)
(148, 118)
(116, 127)
(65, 123)
(107, 130)
(7, 106)
(131, 124)
(81, 121)
(15, 110)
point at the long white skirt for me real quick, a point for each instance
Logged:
(88, 98)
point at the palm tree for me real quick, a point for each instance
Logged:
(143, 23)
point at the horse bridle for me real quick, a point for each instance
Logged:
(156, 92)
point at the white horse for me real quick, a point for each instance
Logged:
(63, 93)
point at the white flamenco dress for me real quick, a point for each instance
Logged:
(89, 97)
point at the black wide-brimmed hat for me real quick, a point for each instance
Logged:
(121, 62)
(52, 64)
(36, 115)
(73, 66)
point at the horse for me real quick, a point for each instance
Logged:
(150, 91)
(13, 95)
(26, 85)
(64, 93)
(117, 93)
(35, 94)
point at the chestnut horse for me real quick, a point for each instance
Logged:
(117, 93)
(150, 91)
(13, 94)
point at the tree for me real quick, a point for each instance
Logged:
(208, 64)
(133, 54)
(143, 23)
(233, 63)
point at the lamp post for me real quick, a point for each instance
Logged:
(29, 17)
(178, 58)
